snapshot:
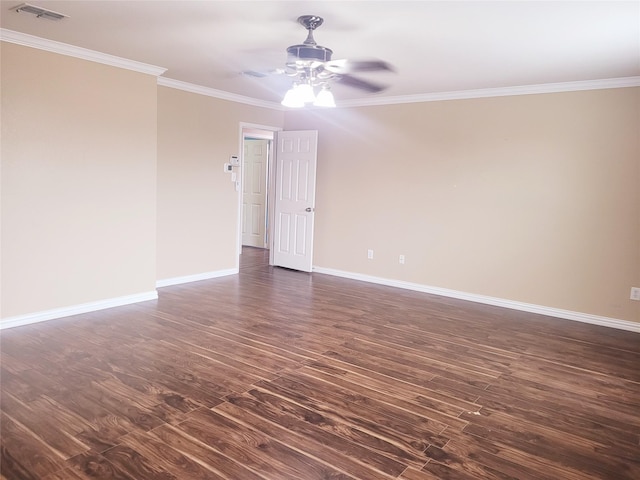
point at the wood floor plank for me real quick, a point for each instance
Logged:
(217, 464)
(415, 364)
(388, 384)
(308, 446)
(175, 462)
(428, 356)
(436, 411)
(560, 452)
(163, 373)
(458, 457)
(376, 452)
(204, 369)
(445, 472)
(95, 466)
(471, 355)
(137, 465)
(241, 334)
(66, 474)
(18, 387)
(58, 435)
(413, 441)
(508, 385)
(274, 374)
(160, 402)
(512, 462)
(573, 423)
(261, 452)
(244, 357)
(592, 387)
(356, 398)
(24, 455)
(413, 474)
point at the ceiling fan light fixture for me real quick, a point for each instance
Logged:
(325, 98)
(292, 99)
(305, 92)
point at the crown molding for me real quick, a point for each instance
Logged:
(621, 82)
(212, 92)
(78, 52)
(560, 87)
(93, 56)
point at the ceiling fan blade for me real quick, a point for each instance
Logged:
(263, 73)
(253, 73)
(354, 82)
(351, 66)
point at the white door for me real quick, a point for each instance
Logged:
(254, 195)
(295, 192)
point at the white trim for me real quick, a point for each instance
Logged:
(36, 317)
(78, 52)
(195, 278)
(212, 92)
(622, 82)
(499, 302)
(91, 55)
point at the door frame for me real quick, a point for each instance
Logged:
(270, 132)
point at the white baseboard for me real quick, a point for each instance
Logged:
(499, 302)
(42, 316)
(195, 278)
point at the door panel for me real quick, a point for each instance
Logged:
(295, 197)
(254, 195)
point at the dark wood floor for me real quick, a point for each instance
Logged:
(275, 374)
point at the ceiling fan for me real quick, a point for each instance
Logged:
(310, 65)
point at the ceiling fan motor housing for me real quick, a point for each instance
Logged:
(309, 52)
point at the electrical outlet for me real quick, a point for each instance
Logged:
(370, 254)
(635, 293)
(401, 259)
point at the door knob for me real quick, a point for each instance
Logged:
(308, 209)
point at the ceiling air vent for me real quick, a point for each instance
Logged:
(40, 12)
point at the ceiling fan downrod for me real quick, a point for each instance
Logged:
(309, 50)
(310, 22)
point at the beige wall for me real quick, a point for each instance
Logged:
(78, 181)
(197, 202)
(533, 198)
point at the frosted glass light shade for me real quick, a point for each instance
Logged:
(306, 93)
(325, 99)
(292, 98)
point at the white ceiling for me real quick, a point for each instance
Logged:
(434, 47)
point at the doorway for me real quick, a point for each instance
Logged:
(256, 200)
(289, 221)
